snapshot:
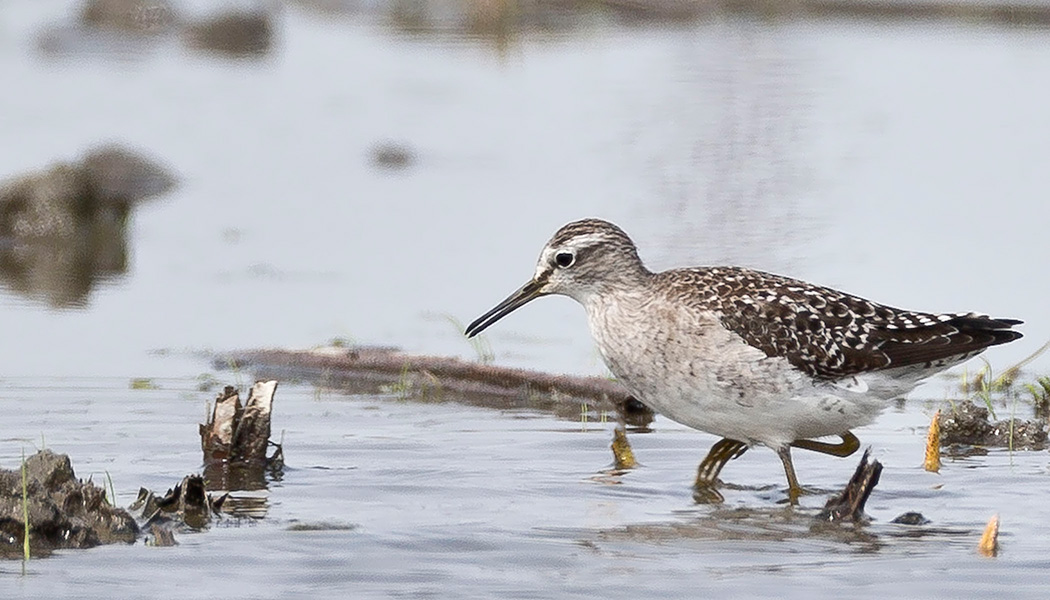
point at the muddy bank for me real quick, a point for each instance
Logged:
(377, 370)
(63, 229)
(63, 511)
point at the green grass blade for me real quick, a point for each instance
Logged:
(25, 508)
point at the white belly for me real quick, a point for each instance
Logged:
(687, 367)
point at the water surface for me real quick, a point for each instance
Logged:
(900, 160)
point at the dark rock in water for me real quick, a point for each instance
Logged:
(138, 16)
(117, 175)
(969, 424)
(911, 518)
(234, 34)
(52, 203)
(63, 229)
(70, 199)
(63, 512)
(390, 155)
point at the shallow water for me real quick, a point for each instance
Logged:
(904, 161)
(382, 497)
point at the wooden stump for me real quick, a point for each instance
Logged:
(848, 505)
(185, 504)
(235, 438)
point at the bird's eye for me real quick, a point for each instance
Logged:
(564, 259)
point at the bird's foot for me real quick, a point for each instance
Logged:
(795, 494)
(707, 494)
(723, 451)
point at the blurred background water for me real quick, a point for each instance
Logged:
(378, 171)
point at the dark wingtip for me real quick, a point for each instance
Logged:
(998, 329)
(1001, 336)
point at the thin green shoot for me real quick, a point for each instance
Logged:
(207, 382)
(403, 388)
(143, 383)
(323, 384)
(25, 509)
(1013, 424)
(342, 342)
(112, 496)
(236, 368)
(985, 383)
(482, 348)
(1040, 391)
(1009, 375)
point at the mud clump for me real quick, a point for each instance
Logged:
(233, 34)
(188, 504)
(64, 512)
(968, 424)
(392, 156)
(911, 518)
(139, 16)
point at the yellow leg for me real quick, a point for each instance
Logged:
(794, 489)
(849, 445)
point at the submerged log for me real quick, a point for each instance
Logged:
(235, 438)
(377, 370)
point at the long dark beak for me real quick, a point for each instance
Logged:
(523, 296)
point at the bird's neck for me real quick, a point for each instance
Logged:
(626, 290)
